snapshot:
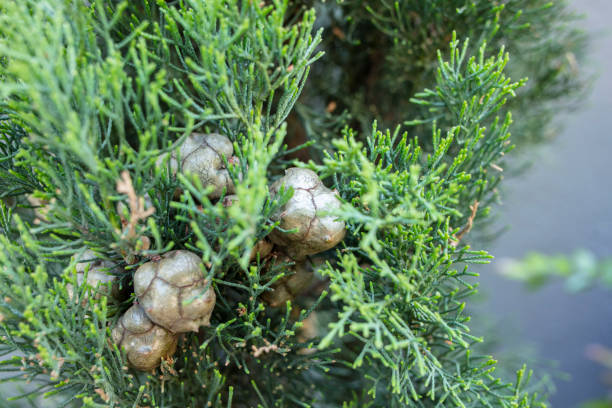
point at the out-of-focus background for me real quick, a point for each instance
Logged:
(562, 203)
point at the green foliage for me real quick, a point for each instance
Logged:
(382, 53)
(228, 60)
(92, 94)
(401, 287)
(14, 180)
(581, 270)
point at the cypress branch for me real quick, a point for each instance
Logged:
(94, 94)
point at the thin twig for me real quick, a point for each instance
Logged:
(468, 226)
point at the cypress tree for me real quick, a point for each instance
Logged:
(239, 203)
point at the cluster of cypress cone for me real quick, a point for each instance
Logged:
(172, 292)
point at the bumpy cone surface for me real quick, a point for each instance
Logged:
(315, 233)
(299, 276)
(100, 273)
(261, 249)
(145, 343)
(202, 154)
(173, 291)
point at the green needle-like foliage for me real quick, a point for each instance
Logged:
(382, 53)
(94, 93)
(401, 288)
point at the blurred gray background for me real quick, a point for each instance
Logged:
(563, 202)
